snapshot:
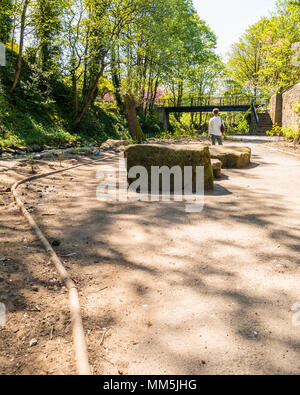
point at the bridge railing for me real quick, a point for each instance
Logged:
(205, 101)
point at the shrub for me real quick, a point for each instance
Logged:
(150, 124)
(288, 133)
(40, 111)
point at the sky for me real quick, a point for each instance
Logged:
(230, 18)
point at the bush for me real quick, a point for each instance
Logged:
(150, 124)
(181, 128)
(40, 112)
(288, 133)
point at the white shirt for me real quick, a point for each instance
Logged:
(215, 126)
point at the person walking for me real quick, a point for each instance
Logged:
(216, 128)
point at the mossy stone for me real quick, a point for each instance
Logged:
(174, 155)
(217, 168)
(232, 157)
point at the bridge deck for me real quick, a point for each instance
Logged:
(243, 108)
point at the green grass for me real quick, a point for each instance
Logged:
(22, 127)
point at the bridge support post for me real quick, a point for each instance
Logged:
(163, 117)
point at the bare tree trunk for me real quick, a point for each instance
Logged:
(154, 95)
(86, 50)
(89, 98)
(143, 81)
(115, 75)
(149, 88)
(21, 44)
(75, 94)
(133, 123)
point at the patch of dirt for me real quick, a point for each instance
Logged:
(35, 300)
(285, 146)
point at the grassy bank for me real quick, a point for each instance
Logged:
(39, 112)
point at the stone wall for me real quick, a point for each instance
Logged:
(276, 109)
(289, 100)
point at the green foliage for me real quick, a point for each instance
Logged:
(5, 20)
(181, 127)
(288, 133)
(81, 50)
(47, 18)
(150, 124)
(263, 61)
(237, 123)
(35, 116)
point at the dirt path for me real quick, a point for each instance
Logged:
(36, 303)
(163, 291)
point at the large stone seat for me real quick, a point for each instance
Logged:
(232, 157)
(174, 155)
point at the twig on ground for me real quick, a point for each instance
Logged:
(103, 336)
(51, 332)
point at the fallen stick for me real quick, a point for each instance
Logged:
(103, 336)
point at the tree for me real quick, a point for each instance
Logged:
(48, 26)
(142, 46)
(23, 8)
(262, 61)
(246, 58)
(107, 20)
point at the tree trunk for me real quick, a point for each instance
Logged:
(90, 97)
(154, 95)
(133, 123)
(116, 80)
(75, 94)
(148, 89)
(14, 28)
(85, 67)
(21, 44)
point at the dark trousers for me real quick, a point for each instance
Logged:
(218, 138)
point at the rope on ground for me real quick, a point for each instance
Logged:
(79, 341)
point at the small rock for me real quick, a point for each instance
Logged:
(56, 243)
(22, 164)
(33, 342)
(73, 161)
